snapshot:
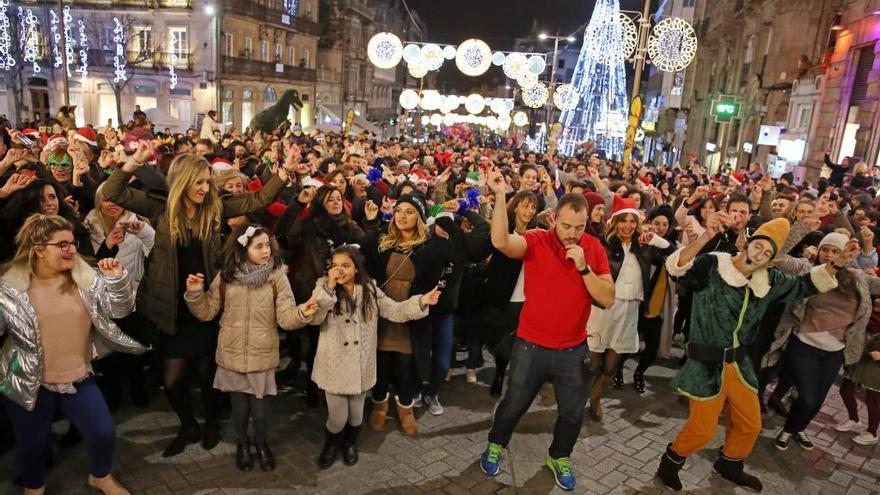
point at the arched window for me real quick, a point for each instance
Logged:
(270, 95)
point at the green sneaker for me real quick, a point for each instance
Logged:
(490, 461)
(562, 472)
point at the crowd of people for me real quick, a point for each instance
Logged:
(207, 257)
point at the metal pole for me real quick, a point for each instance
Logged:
(644, 24)
(64, 53)
(218, 94)
(549, 112)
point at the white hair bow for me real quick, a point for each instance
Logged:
(244, 238)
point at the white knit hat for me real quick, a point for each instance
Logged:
(834, 239)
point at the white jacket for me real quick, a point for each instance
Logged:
(209, 125)
(133, 250)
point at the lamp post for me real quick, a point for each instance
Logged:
(556, 38)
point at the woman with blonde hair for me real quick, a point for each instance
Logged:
(188, 227)
(57, 312)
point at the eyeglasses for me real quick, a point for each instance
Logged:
(59, 165)
(63, 245)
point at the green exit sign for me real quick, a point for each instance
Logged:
(726, 109)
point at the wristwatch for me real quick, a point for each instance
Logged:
(586, 270)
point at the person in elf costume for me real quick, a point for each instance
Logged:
(730, 296)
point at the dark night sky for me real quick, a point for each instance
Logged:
(498, 22)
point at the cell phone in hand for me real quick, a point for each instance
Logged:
(26, 141)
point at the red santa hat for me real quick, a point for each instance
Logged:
(86, 135)
(55, 141)
(621, 205)
(31, 132)
(220, 164)
(313, 182)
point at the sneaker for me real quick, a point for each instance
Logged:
(417, 401)
(490, 461)
(472, 376)
(803, 440)
(782, 440)
(562, 472)
(865, 438)
(434, 406)
(848, 425)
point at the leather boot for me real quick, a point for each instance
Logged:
(379, 414)
(670, 464)
(186, 435)
(330, 450)
(732, 470)
(407, 419)
(244, 460)
(349, 445)
(107, 485)
(267, 460)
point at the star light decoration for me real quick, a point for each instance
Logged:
(119, 55)
(6, 60)
(672, 44)
(54, 20)
(31, 46)
(385, 50)
(535, 96)
(83, 50)
(473, 57)
(566, 97)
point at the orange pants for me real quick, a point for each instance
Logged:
(744, 423)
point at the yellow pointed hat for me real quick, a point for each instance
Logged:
(775, 231)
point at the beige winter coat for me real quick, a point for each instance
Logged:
(345, 363)
(248, 340)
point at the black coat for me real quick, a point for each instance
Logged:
(647, 256)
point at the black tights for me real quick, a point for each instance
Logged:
(245, 407)
(174, 378)
(650, 329)
(604, 362)
(398, 368)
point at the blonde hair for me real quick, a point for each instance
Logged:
(37, 230)
(394, 238)
(99, 213)
(791, 212)
(860, 167)
(185, 170)
(611, 231)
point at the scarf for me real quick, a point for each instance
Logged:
(254, 275)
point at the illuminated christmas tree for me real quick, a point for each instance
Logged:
(600, 79)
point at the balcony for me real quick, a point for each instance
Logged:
(136, 4)
(271, 12)
(361, 7)
(329, 76)
(234, 66)
(158, 60)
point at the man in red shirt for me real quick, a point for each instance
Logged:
(565, 271)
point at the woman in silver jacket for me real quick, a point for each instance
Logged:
(57, 311)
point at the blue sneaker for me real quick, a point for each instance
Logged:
(562, 472)
(490, 461)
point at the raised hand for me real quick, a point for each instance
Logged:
(849, 253)
(309, 308)
(430, 298)
(371, 210)
(716, 222)
(195, 282)
(306, 194)
(387, 205)
(495, 180)
(145, 151)
(116, 236)
(110, 267)
(645, 238)
(72, 203)
(16, 183)
(333, 276)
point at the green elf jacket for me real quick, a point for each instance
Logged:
(727, 306)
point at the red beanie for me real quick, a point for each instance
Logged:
(593, 199)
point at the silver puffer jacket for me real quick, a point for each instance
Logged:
(21, 358)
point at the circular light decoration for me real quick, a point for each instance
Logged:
(672, 44)
(385, 50)
(449, 119)
(566, 97)
(449, 52)
(411, 54)
(417, 70)
(450, 104)
(536, 65)
(430, 100)
(515, 65)
(535, 96)
(527, 80)
(431, 56)
(508, 105)
(473, 57)
(630, 35)
(504, 122)
(492, 122)
(436, 120)
(409, 99)
(462, 100)
(520, 119)
(425, 120)
(498, 58)
(475, 103)
(497, 105)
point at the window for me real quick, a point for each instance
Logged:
(306, 58)
(270, 96)
(248, 47)
(689, 3)
(107, 43)
(291, 55)
(228, 48)
(264, 51)
(181, 110)
(143, 39)
(278, 53)
(561, 64)
(247, 113)
(804, 114)
(226, 111)
(178, 42)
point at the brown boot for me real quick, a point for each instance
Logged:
(377, 417)
(34, 491)
(107, 485)
(407, 419)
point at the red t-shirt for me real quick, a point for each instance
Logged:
(557, 301)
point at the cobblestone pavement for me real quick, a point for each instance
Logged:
(617, 456)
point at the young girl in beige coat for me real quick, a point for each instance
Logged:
(254, 296)
(349, 307)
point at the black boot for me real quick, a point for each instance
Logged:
(617, 379)
(639, 381)
(267, 460)
(349, 445)
(243, 457)
(186, 435)
(670, 464)
(732, 470)
(211, 434)
(331, 447)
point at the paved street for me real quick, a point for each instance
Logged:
(618, 456)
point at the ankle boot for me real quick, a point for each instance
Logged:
(267, 460)
(244, 460)
(639, 381)
(186, 435)
(330, 450)
(670, 464)
(379, 414)
(349, 444)
(732, 470)
(107, 485)
(211, 434)
(407, 419)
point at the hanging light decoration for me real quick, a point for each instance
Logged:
(172, 72)
(475, 103)
(54, 20)
(67, 19)
(408, 99)
(536, 65)
(535, 96)
(411, 53)
(520, 119)
(6, 60)
(630, 35)
(425, 120)
(119, 55)
(384, 50)
(436, 120)
(473, 57)
(515, 65)
(450, 104)
(31, 42)
(417, 70)
(672, 44)
(431, 56)
(498, 58)
(83, 50)
(527, 80)
(449, 119)
(498, 105)
(492, 122)
(566, 97)
(504, 122)
(430, 100)
(449, 52)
